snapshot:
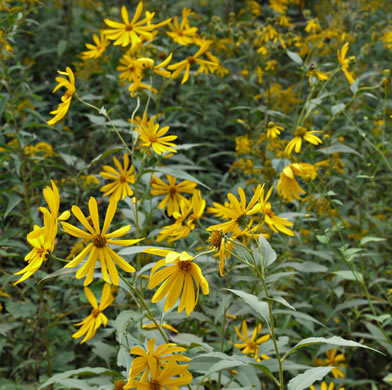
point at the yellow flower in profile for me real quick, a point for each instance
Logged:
(63, 107)
(344, 62)
(333, 359)
(96, 318)
(173, 192)
(273, 130)
(190, 211)
(154, 137)
(238, 212)
(96, 51)
(130, 31)
(183, 33)
(218, 242)
(42, 241)
(321, 76)
(277, 224)
(179, 277)
(122, 178)
(160, 356)
(250, 345)
(324, 386)
(171, 377)
(98, 247)
(288, 186)
(186, 64)
(300, 133)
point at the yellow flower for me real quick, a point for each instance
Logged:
(344, 62)
(153, 136)
(301, 133)
(183, 226)
(179, 275)
(101, 43)
(165, 326)
(183, 33)
(288, 186)
(238, 212)
(171, 377)
(90, 324)
(172, 191)
(333, 359)
(130, 68)
(130, 32)
(218, 242)
(313, 26)
(99, 245)
(185, 65)
(273, 130)
(277, 224)
(120, 188)
(322, 76)
(242, 145)
(324, 386)
(63, 107)
(278, 5)
(251, 345)
(159, 356)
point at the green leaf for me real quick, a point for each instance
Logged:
(349, 275)
(13, 201)
(260, 307)
(338, 148)
(306, 267)
(60, 272)
(96, 119)
(179, 174)
(304, 380)
(337, 108)
(104, 155)
(131, 250)
(294, 57)
(282, 301)
(267, 253)
(298, 314)
(367, 239)
(335, 340)
(61, 46)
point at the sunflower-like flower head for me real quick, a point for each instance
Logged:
(99, 241)
(183, 33)
(97, 50)
(179, 277)
(300, 133)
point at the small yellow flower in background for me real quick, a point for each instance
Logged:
(324, 386)
(185, 65)
(321, 76)
(160, 356)
(288, 186)
(130, 68)
(89, 181)
(130, 31)
(96, 51)
(122, 178)
(271, 65)
(154, 137)
(185, 221)
(42, 149)
(344, 62)
(63, 107)
(183, 33)
(333, 359)
(99, 247)
(173, 192)
(277, 224)
(273, 130)
(387, 39)
(242, 145)
(301, 133)
(238, 212)
(180, 275)
(96, 318)
(279, 6)
(313, 26)
(251, 345)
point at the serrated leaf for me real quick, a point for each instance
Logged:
(306, 379)
(267, 253)
(260, 307)
(335, 340)
(294, 57)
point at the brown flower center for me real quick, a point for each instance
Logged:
(216, 238)
(122, 179)
(99, 241)
(155, 385)
(172, 191)
(300, 131)
(128, 27)
(251, 345)
(95, 312)
(191, 60)
(185, 266)
(119, 385)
